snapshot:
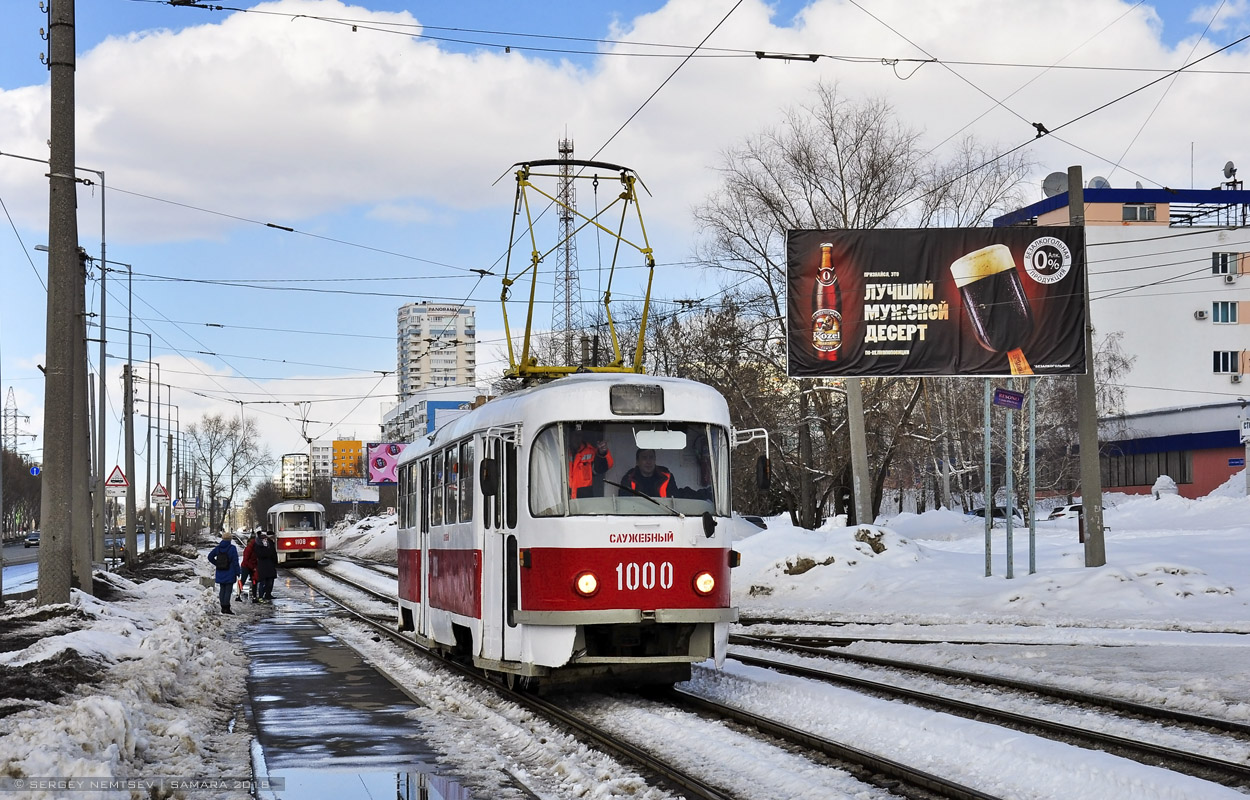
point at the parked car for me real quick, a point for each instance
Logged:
(755, 520)
(114, 548)
(1066, 512)
(31, 540)
(997, 513)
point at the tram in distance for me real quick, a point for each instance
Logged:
(572, 533)
(300, 528)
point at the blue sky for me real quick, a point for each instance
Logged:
(381, 150)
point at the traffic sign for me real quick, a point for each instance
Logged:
(116, 484)
(159, 492)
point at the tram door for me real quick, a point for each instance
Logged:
(501, 568)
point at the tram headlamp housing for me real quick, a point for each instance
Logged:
(704, 583)
(586, 584)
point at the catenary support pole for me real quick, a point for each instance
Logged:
(56, 519)
(1087, 403)
(987, 484)
(859, 452)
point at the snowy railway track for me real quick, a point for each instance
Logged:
(1142, 720)
(854, 767)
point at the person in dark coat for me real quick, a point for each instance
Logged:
(225, 576)
(248, 563)
(266, 566)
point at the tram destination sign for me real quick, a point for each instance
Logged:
(936, 301)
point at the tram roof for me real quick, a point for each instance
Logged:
(580, 397)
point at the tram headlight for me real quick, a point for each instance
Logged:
(704, 583)
(587, 584)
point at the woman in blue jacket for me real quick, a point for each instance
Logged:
(227, 575)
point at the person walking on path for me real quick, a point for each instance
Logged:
(225, 557)
(249, 563)
(266, 565)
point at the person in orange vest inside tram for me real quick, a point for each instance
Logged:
(590, 460)
(648, 479)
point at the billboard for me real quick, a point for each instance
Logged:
(352, 490)
(936, 301)
(381, 461)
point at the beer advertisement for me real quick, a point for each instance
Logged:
(936, 301)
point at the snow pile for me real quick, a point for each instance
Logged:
(371, 538)
(1171, 562)
(169, 681)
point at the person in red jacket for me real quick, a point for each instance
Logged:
(248, 563)
(589, 460)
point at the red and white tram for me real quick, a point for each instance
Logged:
(300, 528)
(503, 565)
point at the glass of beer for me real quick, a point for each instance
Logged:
(990, 287)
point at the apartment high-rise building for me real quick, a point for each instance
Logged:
(436, 347)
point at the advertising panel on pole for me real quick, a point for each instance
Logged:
(936, 301)
(352, 490)
(381, 461)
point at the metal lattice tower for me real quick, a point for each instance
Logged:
(10, 435)
(567, 319)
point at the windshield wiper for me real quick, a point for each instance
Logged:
(637, 493)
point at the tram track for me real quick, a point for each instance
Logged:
(1229, 773)
(899, 779)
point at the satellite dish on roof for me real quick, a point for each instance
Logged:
(1139, 186)
(1229, 170)
(1055, 183)
(1099, 182)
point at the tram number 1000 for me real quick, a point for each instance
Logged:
(634, 576)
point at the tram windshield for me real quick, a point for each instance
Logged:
(629, 468)
(299, 521)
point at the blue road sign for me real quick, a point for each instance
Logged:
(1008, 398)
(34, 471)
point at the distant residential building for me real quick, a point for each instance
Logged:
(321, 459)
(436, 347)
(347, 458)
(424, 411)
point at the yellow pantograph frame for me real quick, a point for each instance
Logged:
(527, 366)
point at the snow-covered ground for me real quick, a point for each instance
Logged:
(1165, 621)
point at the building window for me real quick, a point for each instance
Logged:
(1143, 213)
(1224, 263)
(1143, 469)
(1224, 311)
(1226, 362)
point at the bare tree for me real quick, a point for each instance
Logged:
(227, 455)
(835, 163)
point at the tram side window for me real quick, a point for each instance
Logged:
(402, 493)
(466, 481)
(510, 483)
(423, 496)
(453, 485)
(436, 491)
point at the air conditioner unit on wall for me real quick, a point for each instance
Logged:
(1230, 278)
(1235, 378)
(1200, 314)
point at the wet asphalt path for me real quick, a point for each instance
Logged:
(326, 721)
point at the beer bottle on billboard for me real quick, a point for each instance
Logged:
(827, 302)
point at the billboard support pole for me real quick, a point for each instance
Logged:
(859, 452)
(987, 484)
(1087, 404)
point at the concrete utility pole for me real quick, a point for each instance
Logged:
(1087, 404)
(859, 453)
(63, 327)
(80, 539)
